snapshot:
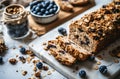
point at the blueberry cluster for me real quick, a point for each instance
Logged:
(44, 7)
(18, 30)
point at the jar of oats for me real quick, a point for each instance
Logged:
(15, 19)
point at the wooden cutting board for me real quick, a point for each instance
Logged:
(40, 29)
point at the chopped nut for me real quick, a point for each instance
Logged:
(29, 52)
(24, 73)
(37, 74)
(13, 61)
(35, 69)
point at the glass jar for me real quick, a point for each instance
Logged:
(15, 19)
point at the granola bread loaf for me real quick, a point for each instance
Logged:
(72, 48)
(60, 54)
(96, 30)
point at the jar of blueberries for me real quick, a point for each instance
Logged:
(15, 19)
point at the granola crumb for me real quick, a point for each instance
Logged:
(44, 43)
(29, 59)
(35, 69)
(29, 52)
(45, 68)
(17, 55)
(95, 67)
(37, 74)
(49, 72)
(22, 59)
(98, 62)
(24, 73)
(13, 61)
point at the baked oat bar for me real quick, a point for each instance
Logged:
(72, 48)
(60, 54)
(65, 5)
(78, 2)
(96, 30)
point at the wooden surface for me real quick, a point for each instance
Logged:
(63, 17)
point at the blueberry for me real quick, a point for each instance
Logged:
(33, 8)
(42, 10)
(82, 73)
(55, 6)
(37, 9)
(62, 31)
(43, 4)
(1, 59)
(33, 3)
(51, 11)
(47, 3)
(35, 12)
(39, 65)
(91, 58)
(49, 7)
(22, 50)
(54, 9)
(46, 12)
(39, 13)
(103, 69)
(52, 2)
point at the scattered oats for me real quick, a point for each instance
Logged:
(98, 62)
(24, 73)
(29, 59)
(49, 72)
(53, 70)
(37, 74)
(29, 52)
(95, 67)
(35, 69)
(13, 61)
(116, 60)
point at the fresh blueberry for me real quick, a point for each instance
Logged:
(92, 58)
(39, 65)
(51, 11)
(103, 69)
(46, 12)
(49, 7)
(39, 13)
(55, 9)
(35, 12)
(42, 10)
(22, 50)
(1, 59)
(43, 4)
(82, 73)
(11, 33)
(33, 3)
(55, 6)
(47, 3)
(37, 9)
(62, 31)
